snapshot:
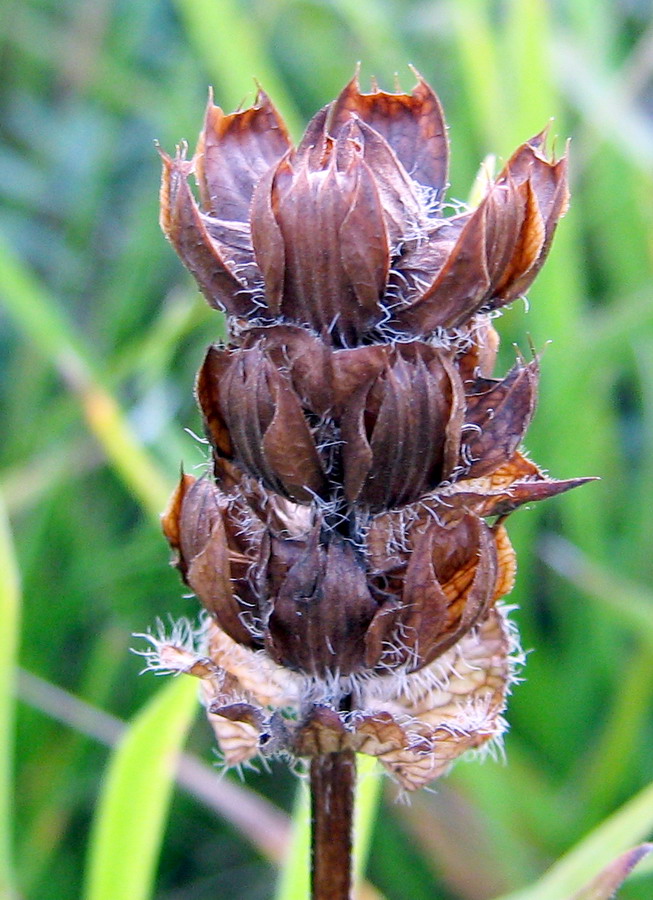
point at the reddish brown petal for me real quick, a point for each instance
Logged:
(345, 587)
(253, 415)
(471, 586)
(267, 239)
(354, 370)
(253, 394)
(184, 227)
(208, 576)
(456, 416)
(384, 541)
(506, 563)
(321, 612)
(200, 515)
(205, 556)
(310, 212)
(335, 246)
(495, 241)
(549, 198)
(412, 124)
(517, 468)
(357, 454)
(312, 147)
(450, 579)
(548, 177)
(294, 592)
(498, 414)
(379, 636)
(501, 248)
(425, 602)
(403, 209)
(207, 389)
(514, 483)
(304, 358)
(421, 259)
(406, 441)
(508, 209)
(527, 249)
(393, 439)
(289, 446)
(234, 152)
(401, 430)
(460, 287)
(242, 394)
(533, 491)
(479, 358)
(364, 245)
(170, 517)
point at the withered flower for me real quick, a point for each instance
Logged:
(375, 427)
(347, 234)
(349, 545)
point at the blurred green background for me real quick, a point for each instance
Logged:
(101, 332)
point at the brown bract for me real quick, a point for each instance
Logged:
(347, 234)
(276, 577)
(416, 725)
(375, 427)
(349, 543)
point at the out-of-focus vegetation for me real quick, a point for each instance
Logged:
(101, 332)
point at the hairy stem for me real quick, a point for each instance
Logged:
(333, 778)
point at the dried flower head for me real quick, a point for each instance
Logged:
(346, 234)
(350, 546)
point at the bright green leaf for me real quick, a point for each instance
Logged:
(132, 810)
(10, 617)
(573, 871)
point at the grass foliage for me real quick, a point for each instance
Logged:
(101, 332)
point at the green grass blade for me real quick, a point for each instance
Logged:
(294, 880)
(368, 797)
(527, 39)
(627, 603)
(376, 35)
(131, 815)
(480, 70)
(233, 54)
(39, 317)
(34, 310)
(603, 887)
(10, 616)
(628, 826)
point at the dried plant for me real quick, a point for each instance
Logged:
(350, 545)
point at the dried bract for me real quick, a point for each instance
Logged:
(349, 544)
(347, 234)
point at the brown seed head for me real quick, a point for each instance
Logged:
(350, 547)
(347, 234)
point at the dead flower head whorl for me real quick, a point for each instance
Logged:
(349, 545)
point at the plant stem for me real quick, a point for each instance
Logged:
(333, 778)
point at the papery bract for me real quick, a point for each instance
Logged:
(346, 234)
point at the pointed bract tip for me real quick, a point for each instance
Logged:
(538, 144)
(262, 98)
(418, 75)
(165, 158)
